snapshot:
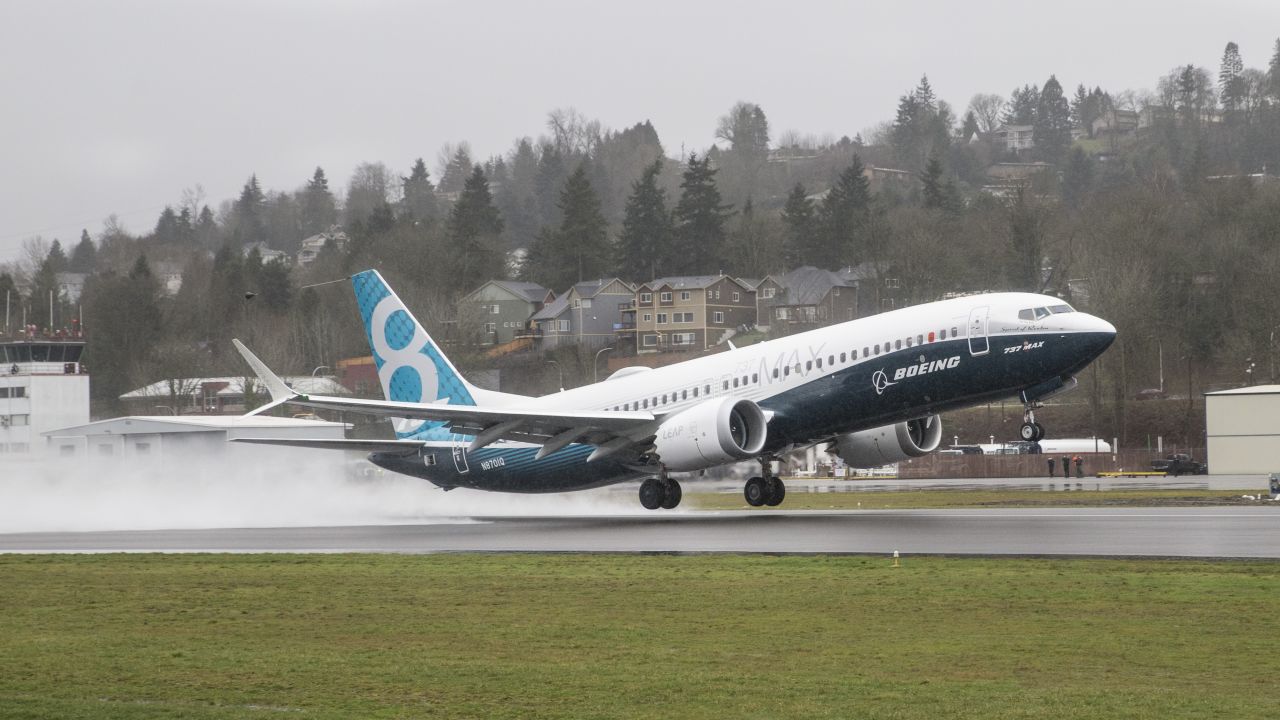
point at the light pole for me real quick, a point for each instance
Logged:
(595, 364)
(559, 370)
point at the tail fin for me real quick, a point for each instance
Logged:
(411, 366)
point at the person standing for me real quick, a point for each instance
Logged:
(1050, 466)
(1066, 466)
(1079, 461)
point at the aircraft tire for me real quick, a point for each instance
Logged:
(1039, 432)
(671, 495)
(777, 492)
(1029, 432)
(652, 494)
(756, 492)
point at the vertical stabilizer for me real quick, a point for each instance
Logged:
(411, 366)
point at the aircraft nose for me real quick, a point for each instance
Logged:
(1102, 333)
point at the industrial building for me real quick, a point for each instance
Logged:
(1243, 430)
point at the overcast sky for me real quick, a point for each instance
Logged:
(118, 106)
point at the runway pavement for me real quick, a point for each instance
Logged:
(1184, 532)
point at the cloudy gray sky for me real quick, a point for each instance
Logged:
(118, 106)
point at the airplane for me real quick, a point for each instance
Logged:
(870, 389)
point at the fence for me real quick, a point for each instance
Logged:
(1003, 466)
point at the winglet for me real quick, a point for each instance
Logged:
(280, 392)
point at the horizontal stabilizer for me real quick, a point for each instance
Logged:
(390, 447)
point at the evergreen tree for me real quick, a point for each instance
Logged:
(1273, 74)
(842, 220)
(1026, 243)
(419, 200)
(1077, 178)
(1052, 126)
(579, 249)
(1231, 85)
(699, 219)
(248, 209)
(319, 210)
(57, 259)
(644, 246)
(84, 256)
(922, 125)
(755, 246)
(934, 193)
(474, 229)
(970, 126)
(167, 231)
(801, 225)
(275, 286)
(1023, 104)
(457, 170)
(206, 228)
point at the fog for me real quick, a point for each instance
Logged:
(290, 488)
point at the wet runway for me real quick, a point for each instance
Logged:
(1160, 532)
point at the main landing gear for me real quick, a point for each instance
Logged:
(765, 490)
(1031, 431)
(660, 492)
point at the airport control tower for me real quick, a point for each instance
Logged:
(43, 386)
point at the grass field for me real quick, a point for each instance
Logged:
(588, 636)
(979, 499)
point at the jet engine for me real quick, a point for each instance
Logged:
(891, 443)
(711, 433)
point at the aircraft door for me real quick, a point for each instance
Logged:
(978, 344)
(460, 458)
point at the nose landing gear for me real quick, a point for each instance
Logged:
(1031, 431)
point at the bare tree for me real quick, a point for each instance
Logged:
(986, 108)
(572, 133)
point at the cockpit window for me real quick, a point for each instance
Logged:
(1039, 313)
(1059, 309)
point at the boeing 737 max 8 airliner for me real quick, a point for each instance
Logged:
(870, 389)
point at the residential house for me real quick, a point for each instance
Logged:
(500, 310)
(690, 313)
(1115, 123)
(1015, 137)
(265, 252)
(769, 293)
(809, 296)
(218, 395)
(311, 247)
(587, 315)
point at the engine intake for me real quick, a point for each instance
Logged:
(711, 433)
(891, 443)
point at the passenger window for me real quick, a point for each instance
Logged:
(841, 357)
(942, 335)
(775, 373)
(877, 348)
(755, 378)
(908, 342)
(866, 352)
(646, 402)
(695, 392)
(707, 390)
(831, 359)
(954, 332)
(808, 365)
(786, 370)
(819, 363)
(897, 345)
(684, 394)
(664, 398)
(726, 385)
(735, 382)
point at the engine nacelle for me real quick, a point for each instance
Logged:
(711, 433)
(891, 443)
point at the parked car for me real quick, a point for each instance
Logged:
(1179, 464)
(1150, 394)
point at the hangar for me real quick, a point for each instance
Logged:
(175, 442)
(1242, 428)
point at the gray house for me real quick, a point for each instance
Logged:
(496, 312)
(586, 315)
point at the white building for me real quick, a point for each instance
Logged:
(1243, 430)
(155, 438)
(42, 387)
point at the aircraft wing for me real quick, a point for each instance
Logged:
(553, 429)
(390, 447)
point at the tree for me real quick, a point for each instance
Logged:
(121, 343)
(368, 190)
(937, 192)
(699, 219)
(474, 229)
(419, 200)
(644, 246)
(921, 126)
(319, 211)
(84, 256)
(57, 259)
(1026, 242)
(1231, 87)
(248, 212)
(755, 244)
(842, 220)
(1273, 74)
(986, 108)
(1022, 106)
(798, 217)
(1077, 178)
(1052, 127)
(579, 249)
(455, 167)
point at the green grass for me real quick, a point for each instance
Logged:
(588, 636)
(867, 500)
